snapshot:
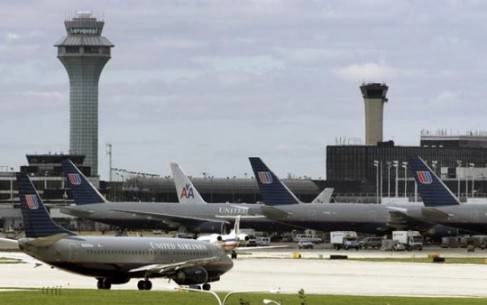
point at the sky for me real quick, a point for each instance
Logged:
(210, 83)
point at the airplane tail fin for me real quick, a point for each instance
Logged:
(37, 221)
(324, 196)
(81, 188)
(273, 191)
(236, 227)
(185, 189)
(430, 187)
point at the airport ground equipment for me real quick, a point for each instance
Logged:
(371, 242)
(344, 240)
(411, 240)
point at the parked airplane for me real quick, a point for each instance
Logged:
(441, 205)
(229, 242)
(284, 206)
(194, 216)
(115, 260)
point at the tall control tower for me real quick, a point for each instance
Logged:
(84, 53)
(374, 98)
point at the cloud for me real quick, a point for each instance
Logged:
(250, 64)
(369, 72)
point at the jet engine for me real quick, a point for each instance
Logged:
(191, 276)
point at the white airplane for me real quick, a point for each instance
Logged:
(229, 242)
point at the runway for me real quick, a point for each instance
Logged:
(290, 275)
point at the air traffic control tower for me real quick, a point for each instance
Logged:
(374, 95)
(84, 53)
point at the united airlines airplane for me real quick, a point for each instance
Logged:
(116, 260)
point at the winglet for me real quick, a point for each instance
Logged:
(430, 187)
(273, 191)
(185, 189)
(37, 221)
(83, 191)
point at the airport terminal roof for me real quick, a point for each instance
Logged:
(216, 185)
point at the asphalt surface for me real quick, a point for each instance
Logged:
(321, 276)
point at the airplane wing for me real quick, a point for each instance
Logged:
(274, 213)
(9, 242)
(171, 219)
(399, 219)
(232, 218)
(435, 214)
(238, 249)
(169, 269)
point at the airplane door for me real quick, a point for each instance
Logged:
(73, 252)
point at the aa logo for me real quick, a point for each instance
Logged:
(187, 192)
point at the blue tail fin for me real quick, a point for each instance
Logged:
(37, 222)
(273, 191)
(430, 187)
(83, 191)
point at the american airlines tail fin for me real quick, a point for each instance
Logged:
(430, 187)
(273, 191)
(83, 191)
(324, 196)
(185, 189)
(37, 221)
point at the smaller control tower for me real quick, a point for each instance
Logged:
(374, 95)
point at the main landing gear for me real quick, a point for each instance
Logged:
(104, 283)
(144, 285)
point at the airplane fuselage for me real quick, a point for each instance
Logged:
(115, 257)
(118, 214)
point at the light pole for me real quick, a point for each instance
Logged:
(472, 165)
(434, 164)
(405, 166)
(109, 153)
(459, 164)
(389, 163)
(376, 165)
(395, 163)
(381, 182)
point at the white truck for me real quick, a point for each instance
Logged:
(344, 240)
(410, 240)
